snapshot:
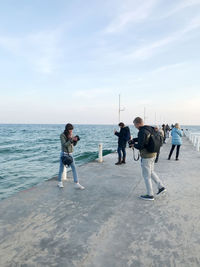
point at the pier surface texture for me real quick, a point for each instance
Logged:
(107, 225)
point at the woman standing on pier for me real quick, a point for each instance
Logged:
(68, 141)
(176, 134)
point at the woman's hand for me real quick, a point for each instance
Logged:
(75, 139)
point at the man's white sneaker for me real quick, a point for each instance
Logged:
(79, 186)
(60, 184)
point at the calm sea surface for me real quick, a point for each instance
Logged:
(29, 154)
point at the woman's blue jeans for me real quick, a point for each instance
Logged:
(62, 166)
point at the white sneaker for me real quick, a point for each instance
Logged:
(78, 186)
(60, 184)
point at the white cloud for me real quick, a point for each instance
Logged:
(180, 6)
(169, 67)
(41, 50)
(147, 51)
(138, 13)
(92, 93)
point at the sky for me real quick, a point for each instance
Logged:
(67, 61)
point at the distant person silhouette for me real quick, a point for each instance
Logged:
(160, 131)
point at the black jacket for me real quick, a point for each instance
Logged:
(142, 140)
(124, 136)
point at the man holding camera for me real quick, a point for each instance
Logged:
(123, 137)
(147, 158)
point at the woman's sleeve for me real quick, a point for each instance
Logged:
(117, 134)
(179, 132)
(65, 143)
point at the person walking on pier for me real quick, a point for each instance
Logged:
(167, 130)
(123, 137)
(147, 158)
(164, 130)
(68, 141)
(161, 133)
(176, 134)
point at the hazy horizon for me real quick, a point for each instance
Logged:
(129, 124)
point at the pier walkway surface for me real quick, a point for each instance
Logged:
(107, 225)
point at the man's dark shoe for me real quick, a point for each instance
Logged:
(123, 162)
(118, 163)
(177, 159)
(161, 190)
(147, 197)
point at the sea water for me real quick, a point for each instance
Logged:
(29, 154)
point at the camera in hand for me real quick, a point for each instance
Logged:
(75, 142)
(78, 138)
(131, 143)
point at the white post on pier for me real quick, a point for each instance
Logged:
(190, 136)
(194, 139)
(64, 175)
(100, 153)
(198, 143)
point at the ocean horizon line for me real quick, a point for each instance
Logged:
(90, 124)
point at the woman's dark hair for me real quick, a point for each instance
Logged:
(68, 127)
(121, 124)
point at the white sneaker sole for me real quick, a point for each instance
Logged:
(79, 188)
(147, 199)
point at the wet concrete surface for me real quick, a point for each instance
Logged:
(107, 225)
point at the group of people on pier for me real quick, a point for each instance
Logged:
(148, 142)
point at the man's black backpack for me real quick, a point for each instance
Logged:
(155, 141)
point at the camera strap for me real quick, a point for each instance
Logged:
(134, 156)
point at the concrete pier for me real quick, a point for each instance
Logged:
(107, 225)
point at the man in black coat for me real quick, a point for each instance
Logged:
(147, 159)
(123, 137)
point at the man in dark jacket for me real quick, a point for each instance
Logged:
(164, 130)
(123, 137)
(147, 159)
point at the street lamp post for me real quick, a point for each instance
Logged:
(120, 109)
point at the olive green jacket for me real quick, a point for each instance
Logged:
(145, 154)
(66, 144)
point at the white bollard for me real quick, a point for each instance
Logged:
(100, 153)
(64, 175)
(190, 137)
(194, 140)
(198, 143)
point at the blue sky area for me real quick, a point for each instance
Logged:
(68, 61)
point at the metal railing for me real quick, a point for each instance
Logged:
(194, 138)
